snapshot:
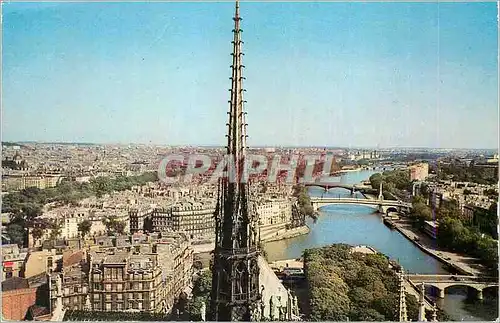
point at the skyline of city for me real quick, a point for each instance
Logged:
(160, 89)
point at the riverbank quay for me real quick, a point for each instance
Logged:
(463, 264)
(279, 265)
(286, 234)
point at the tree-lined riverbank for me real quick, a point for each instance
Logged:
(361, 225)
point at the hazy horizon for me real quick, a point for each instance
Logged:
(250, 147)
(360, 75)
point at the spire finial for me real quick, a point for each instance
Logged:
(237, 10)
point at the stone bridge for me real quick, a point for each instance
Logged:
(383, 206)
(441, 282)
(353, 188)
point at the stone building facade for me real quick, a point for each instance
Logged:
(122, 280)
(139, 273)
(195, 218)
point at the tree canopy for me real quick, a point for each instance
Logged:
(303, 199)
(26, 205)
(351, 286)
(394, 182)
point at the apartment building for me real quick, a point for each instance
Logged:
(13, 261)
(69, 285)
(195, 218)
(123, 280)
(139, 273)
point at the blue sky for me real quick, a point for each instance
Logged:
(325, 74)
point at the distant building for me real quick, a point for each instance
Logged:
(274, 211)
(21, 182)
(468, 213)
(430, 228)
(193, 218)
(138, 218)
(137, 167)
(15, 163)
(435, 200)
(419, 172)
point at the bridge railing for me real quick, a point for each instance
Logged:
(369, 201)
(464, 278)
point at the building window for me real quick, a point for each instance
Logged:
(108, 306)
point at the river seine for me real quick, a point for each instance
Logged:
(361, 225)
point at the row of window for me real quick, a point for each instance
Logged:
(137, 305)
(121, 296)
(130, 286)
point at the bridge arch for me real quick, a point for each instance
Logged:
(328, 187)
(391, 209)
(370, 206)
(489, 287)
(468, 286)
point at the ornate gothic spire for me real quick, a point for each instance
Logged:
(236, 126)
(235, 271)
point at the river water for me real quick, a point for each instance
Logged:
(361, 225)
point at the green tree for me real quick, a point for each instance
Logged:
(412, 307)
(113, 225)
(16, 233)
(344, 285)
(38, 228)
(420, 212)
(375, 180)
(303, 199)
(55, 230)
(202, 287)
(84, 227)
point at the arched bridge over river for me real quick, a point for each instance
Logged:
(441, 282)
(353, 188)
(383, 206)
